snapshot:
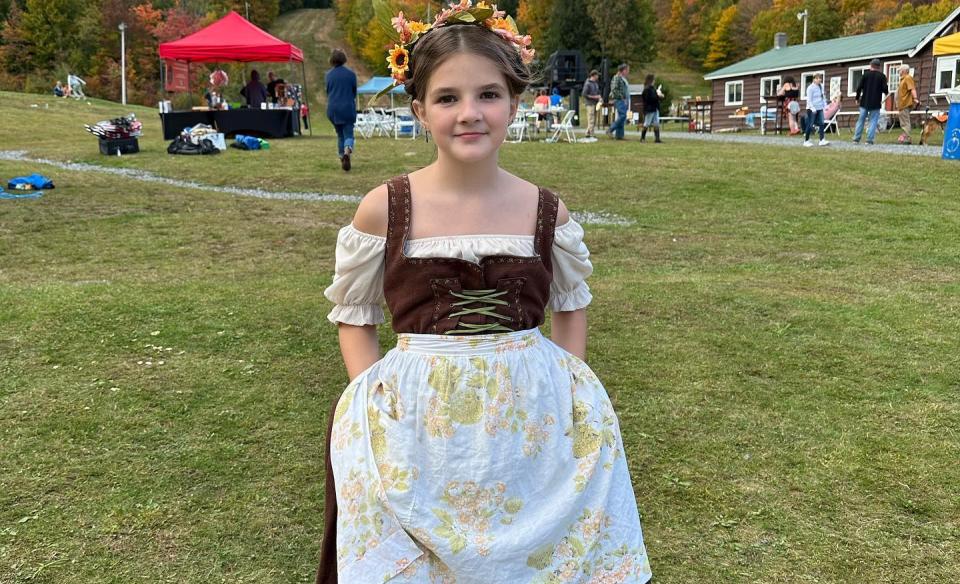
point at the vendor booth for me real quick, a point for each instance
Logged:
(232, 39)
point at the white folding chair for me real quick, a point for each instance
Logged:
(364, 125)
(832, 122)
(518, 127)
(565, 127)
(384, 125)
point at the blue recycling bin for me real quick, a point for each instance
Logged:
(951, 137)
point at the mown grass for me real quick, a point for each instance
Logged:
(780, 344)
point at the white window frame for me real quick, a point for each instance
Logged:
(804, 83)
(779, 81)
(851, 88)
(892, 86)
(941, 67)
(726, 92)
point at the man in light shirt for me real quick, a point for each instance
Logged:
(816, 103)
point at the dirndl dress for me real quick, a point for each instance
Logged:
(493, 457)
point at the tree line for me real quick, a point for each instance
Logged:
(709, 34)
(43, 40)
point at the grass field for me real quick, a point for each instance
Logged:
(777, 328)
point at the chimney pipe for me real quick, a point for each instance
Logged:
(780, 40)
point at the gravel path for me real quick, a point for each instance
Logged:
(841, 143)
(583, 217)
(146, 176)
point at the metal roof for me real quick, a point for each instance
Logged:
(852, 48)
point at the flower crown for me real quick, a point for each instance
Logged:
(463, 12)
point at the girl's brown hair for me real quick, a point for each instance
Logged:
(439, 44)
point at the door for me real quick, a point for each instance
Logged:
(892, 69)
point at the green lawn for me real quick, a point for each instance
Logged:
(777, 328)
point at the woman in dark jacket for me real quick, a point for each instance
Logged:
(254, 92)
(342, 104)
(651, 109)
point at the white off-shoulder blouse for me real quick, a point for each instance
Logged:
(357, 288)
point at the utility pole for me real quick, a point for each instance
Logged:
(804, 16)
(123, 63)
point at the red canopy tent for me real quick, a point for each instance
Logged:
(233, 38)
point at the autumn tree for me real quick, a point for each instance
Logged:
(721, 42)
(533, 18)
(910, 15)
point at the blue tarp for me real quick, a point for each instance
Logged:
(378, 84)
(34, 181)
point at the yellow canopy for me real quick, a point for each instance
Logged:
(948, 45)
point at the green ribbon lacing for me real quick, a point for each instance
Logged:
(489, 300)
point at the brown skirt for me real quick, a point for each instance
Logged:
(327, 571)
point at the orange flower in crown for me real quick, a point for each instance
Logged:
(462, 12)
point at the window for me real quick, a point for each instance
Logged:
(733, 94)
(854, 75)
(948, 73)
(805, 80)
(892, 69)
(768, 87)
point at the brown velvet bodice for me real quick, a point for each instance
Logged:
(457, 296)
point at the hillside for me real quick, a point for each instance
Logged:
(315, 31)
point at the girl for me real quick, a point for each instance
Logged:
(476, 451)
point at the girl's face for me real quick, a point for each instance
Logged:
(467, 107)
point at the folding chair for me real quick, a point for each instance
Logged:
(518, 127)
(364, 125)
(832, 121)
(385, 122)
(566, 127)
(404, 122)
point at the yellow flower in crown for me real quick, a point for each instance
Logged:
(462, 12)
(398, 61)
(418, 28)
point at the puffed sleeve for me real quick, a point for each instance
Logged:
(571, 267)
(357, 288)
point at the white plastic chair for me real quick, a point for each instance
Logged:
(518, 127)
(565, 127)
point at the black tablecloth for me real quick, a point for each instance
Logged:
(276, 123)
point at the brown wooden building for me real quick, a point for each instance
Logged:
(842, 62)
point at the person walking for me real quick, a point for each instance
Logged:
(592, 97)
(906, 102)
(651, 109)
(620, 94)
(870, 92)
(342, 104)
(816, 103)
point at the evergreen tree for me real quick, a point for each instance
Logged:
(571, 28)
(50, 26)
